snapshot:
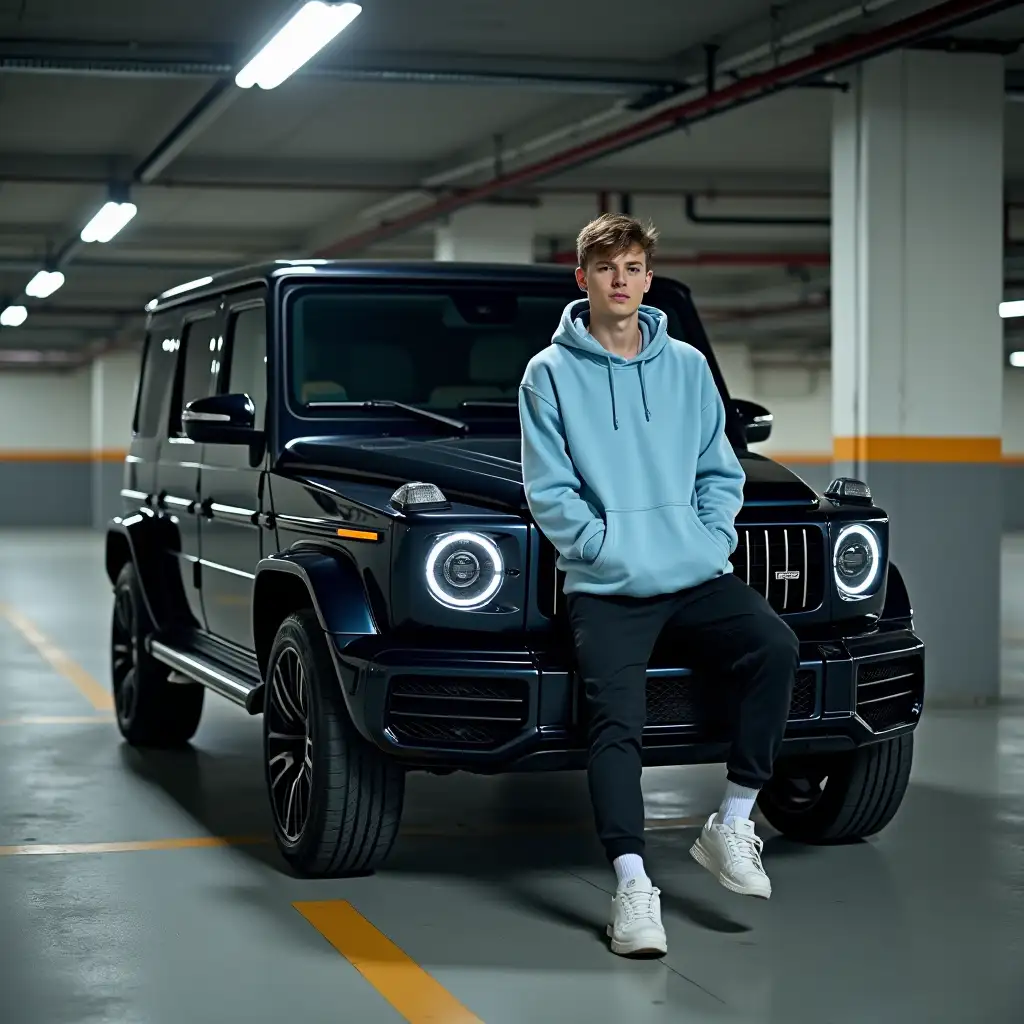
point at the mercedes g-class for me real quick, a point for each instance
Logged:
(323, 521)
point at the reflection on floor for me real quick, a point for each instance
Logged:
(496, 887)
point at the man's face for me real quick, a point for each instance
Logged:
(615, 285)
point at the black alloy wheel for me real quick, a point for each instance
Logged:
(124, 657)
(838, 798)
(151, 711)
(336, 799)
(289, 746)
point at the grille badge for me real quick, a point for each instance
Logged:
(788, 574)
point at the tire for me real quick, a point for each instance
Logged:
(151, 712)
(840, 798)
(335, 799)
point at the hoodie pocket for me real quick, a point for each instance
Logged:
(657, 550)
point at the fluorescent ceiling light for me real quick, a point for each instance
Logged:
(13, 316)
(1017, 358)
(110, 219)
(1011, 309)
(308, 32)
(44, 284)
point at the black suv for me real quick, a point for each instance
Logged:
(324, 521)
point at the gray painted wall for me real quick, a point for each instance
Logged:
(45, 493)
(1013, 497)
(106, 491)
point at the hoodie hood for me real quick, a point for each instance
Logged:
(573, 333)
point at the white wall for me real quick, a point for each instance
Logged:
(112, 401)
(800, 401)
(45, 412)
(75, 413)
(51, 412)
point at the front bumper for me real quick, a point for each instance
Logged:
(518, 709)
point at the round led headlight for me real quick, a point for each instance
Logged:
(464, 570)
(857, 562)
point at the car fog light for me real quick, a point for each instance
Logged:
(857, 561)
(464, 570)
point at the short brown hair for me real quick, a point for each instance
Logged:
(615, 233)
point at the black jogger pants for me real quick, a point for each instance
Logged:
(729, 633)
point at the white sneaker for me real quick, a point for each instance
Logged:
(635, 928)
(732, 853)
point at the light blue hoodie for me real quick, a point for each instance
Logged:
(626, 465)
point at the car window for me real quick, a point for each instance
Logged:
(246, 372)
(156, 374)
(198, 362)
(433, 346)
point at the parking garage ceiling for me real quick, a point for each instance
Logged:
(411, 105)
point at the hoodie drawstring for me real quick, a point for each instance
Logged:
(643, 392)
(611, 388)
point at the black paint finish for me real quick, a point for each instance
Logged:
(230, 539)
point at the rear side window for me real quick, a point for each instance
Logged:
(156, 376)
(198, 362)
(246, 372)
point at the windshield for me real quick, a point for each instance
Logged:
(460, 350)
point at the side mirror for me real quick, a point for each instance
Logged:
(756, 420)
(221, 419)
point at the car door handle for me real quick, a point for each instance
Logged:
(266, 520)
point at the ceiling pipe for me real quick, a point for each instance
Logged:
(690, 207)
(725, 259)
(566, 133)
(33, 59)
(827, 58)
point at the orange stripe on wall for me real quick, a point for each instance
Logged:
(918, 449)
(27, 455)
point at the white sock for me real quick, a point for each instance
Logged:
(629, 866)
(738, 802)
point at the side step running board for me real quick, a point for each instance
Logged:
(236, 688)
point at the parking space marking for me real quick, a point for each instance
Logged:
(412, 832)
(56, 720)
(417, 996)
(93, 691)
(191, 843)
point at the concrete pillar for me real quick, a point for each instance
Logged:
(490, 233)
(114, 379)
(917, 187)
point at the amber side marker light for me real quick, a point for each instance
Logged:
(359, 534)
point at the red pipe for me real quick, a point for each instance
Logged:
(727, 259)
(826, 58)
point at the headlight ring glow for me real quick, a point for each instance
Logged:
(872, 543)
(470, 540)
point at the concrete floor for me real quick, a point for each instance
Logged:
(496, 889)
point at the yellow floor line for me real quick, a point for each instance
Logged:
(56, 720)
(97, 695)
(205, 842)
(418, 997)
(64, 849)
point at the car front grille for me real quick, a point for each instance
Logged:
(707, 704)
(478, 714)
(889, 693)
(784, 563)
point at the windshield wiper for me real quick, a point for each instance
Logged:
(505, 404)
(412, 410)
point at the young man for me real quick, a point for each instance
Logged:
(628, 472)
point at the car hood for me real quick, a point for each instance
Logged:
(487, 470)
